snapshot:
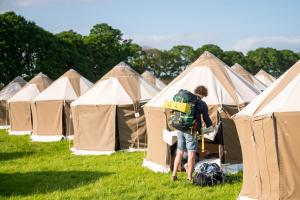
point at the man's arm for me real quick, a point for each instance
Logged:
(205, 115)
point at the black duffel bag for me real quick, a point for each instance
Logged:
(208, 174)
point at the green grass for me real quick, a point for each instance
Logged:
(49, 171)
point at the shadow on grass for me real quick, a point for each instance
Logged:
(4, 156)
(234, 178)
(15, 184)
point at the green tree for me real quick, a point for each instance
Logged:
(138, 58)
(232, 57)
(214, 49)
(184, 55)
(289, 59)
(269, 59)
(20, 44)
(104, 44)
(75, 53)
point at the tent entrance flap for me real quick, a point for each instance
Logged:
(20, 116)
(4, 118)
(49, 118)
(68, 128)
(96, 127)
(131, 127)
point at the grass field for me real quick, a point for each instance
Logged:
(49, 171)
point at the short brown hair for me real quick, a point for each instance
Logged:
(201, 90)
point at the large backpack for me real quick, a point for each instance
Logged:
(208, 174)
(183, 119)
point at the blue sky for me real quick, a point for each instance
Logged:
(232, 24)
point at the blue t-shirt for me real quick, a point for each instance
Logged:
(201, 109)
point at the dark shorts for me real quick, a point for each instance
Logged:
(186, 141)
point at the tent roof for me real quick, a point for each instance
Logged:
(224, 86)
(282, 96)
(12, 88)
(120, 86)
(69, 86)
(265, 77)
(249, 77)
(153, 80)
(36, 85)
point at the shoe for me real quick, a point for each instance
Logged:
(173, 178)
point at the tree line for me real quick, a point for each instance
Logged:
(27, 49)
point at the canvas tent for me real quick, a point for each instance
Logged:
(20, 113)
(265, 77)
(269, 134)
(8, 91)
(249, 77)
(51, 108)
(109, 116)
(153, 80)
(227, 93)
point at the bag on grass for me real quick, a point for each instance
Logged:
(208, 174)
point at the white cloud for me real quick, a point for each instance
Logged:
(169, 40)
(278, 42)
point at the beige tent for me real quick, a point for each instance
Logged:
(20, 113)
(109, 116)
(51, 108)
(8, 91)
(153, 80)
(264, 77)
(249, 77)
(227, 93)
(269, 134)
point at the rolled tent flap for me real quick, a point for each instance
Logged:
(20, 116)
(95, 127)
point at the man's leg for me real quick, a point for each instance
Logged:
(177, 161)
(191, 163)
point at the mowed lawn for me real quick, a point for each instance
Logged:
(31, 170)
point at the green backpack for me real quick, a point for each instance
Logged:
(184, 121)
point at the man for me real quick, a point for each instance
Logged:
(186, 140)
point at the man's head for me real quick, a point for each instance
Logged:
(201, 91)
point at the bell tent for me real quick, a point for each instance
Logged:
(227, 94)
(249, 77)
(19, 105)
(8, 91)
(109, 116)
(153, 80)
(269, 135)
(265, 77)
(51, 108)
